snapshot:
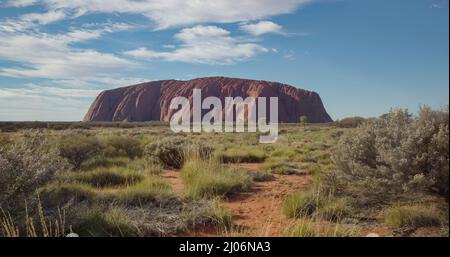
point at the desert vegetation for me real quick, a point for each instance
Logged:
(386, 175)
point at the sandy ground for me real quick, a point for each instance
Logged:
(255, 213)
(259, 211)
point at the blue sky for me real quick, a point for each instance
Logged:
(362, 56)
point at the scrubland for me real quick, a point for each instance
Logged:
(387, 175)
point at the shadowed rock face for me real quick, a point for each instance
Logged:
(150, 101)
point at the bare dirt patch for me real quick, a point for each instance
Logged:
(257, 212)
(174, 179)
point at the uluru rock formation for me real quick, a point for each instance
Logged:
(150, 101)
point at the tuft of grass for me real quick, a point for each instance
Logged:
(412, 216)
(260, 176)
(249, 155)
(306, 228)
(58, 193)
(112, 177)
(218, 215)
(334, 209)
(297, 205)
(301, 229)
(315, 202)
(283, 168)
(339, 230)
(38, 225)
(105, 162)
(114, 221)
(208, 178)
(150, 189)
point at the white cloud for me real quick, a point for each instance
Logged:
(262, 27)
(33, 90)
(20, 3)
(205, 45)
(51, 56)
(44, 18)
(173, 13)
(435, 6)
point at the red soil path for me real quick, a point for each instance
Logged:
(258, 212)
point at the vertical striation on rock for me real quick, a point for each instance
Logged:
(150, 101)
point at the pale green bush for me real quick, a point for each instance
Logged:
(25, 166)
(394, 154)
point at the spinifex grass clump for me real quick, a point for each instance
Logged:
(208, 178)
(316, 203)
(109, 177)
(412, 216)
(246, 155)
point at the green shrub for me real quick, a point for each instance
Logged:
(171, 151)
(123, 146)
(412, 216)
(395, 154)
(5, 141)
(78, 149)
(303, 119)
(209, 179)
(26, 166)
(350, 122)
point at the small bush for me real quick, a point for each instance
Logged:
(303, 119)
(395, 154)
(412, 216)
(5, 141)
(26, 166)
(210, 179)
(78, 149)
(171, 151)
(350, 122)
(123, 146)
